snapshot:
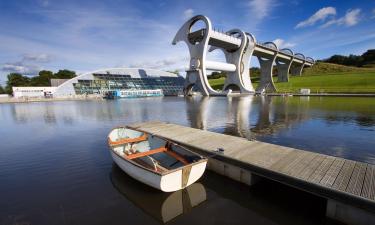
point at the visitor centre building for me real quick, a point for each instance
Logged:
(133, 80)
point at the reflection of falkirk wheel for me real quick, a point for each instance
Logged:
(237, 47)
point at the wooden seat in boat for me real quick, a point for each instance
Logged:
(127, 140)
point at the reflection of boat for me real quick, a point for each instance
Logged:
(161, 206)
(155, 161)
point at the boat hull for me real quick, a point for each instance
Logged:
(173, 181)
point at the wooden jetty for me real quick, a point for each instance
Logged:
(348, 186)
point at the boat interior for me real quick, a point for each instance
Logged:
(150, 151)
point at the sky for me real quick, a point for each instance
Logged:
(93, 34)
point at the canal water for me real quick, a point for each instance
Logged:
(55, 167)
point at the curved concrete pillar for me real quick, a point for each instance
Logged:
(236, 46)
(296, 70)
(297, 67)
(283, 70)
(266, 81)
(198, 45)
(240, 78)
(283, 65)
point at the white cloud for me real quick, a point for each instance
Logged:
(351, 18)
(21, 67)
(280, 43)
(259, 9)
(373, 14)
(320, 15)
(28, 65)
(188, 14)
(160, 64)
(42, 58)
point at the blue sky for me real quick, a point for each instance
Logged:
(88, 35)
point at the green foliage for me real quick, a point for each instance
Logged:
(14, 80)
(65, 74)
(216, 75)
(321, 68)
(2, 90)
(43, 79)
(354, 60)
(254, 72)
(175, 72)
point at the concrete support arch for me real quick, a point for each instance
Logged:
(198, 45)
(283, 66)
(236, 46)
(241, 57)
(297, 67)
(266, 67)
(283, 70)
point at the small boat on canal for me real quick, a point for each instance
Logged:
(155, 161)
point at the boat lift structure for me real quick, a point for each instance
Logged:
(238, 47)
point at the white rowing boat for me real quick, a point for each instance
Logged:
(155, 161)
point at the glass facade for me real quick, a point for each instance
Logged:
(103, 83)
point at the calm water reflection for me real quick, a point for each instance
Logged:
(55, 168)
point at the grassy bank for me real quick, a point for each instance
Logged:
(325, 78)
(332, 83)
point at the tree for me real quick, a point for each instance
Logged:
(43, 79)
(2, 90)
(16, 80)
(369, 57)
(65, 74)
(353, 60)
(254, 72)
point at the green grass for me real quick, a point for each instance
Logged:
(356, 82)
(324, 78)
(217, 84)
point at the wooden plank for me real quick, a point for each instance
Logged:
(322, 169)
(156, 129)
(177, 156)
(297, 163)
(150, 152)
(285, 161)
(190, 138)
(302, 164)
(127, 140)
(150, 125)
(173, 132)
(263, 156)
(368, 190)
(356, 181)
(311, 167)
(343, 177)
(332, 173)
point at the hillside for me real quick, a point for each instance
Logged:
(324, 77)
(322, 68)
(367, 59)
